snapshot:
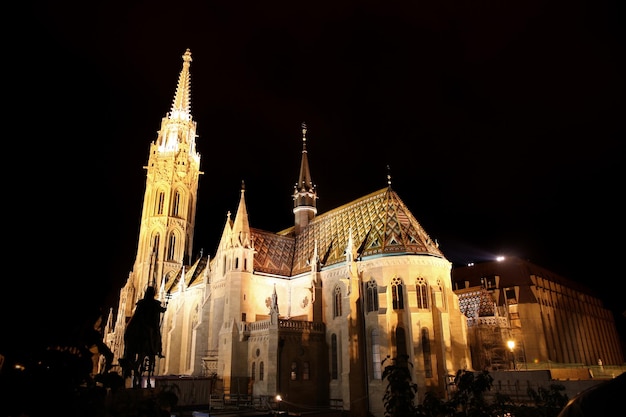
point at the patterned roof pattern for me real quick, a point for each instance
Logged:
(476, 302)
(380, 222)
(274, 253)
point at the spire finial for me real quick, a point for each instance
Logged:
(388, 176)
(303, 137)
(181, 106)
(243, 185)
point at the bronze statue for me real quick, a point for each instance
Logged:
(142, 337)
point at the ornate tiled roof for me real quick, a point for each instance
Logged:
(380, 224)
(274, 253)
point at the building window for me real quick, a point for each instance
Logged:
(372, 296)
(261, 371)
(176, 204)
(160, 202)
(397, 294)
(306, 371)
(171, 250)
(333, 357)
(337, 302)
(253, 371)
(155, 245)
(294, 371)
(376, 363)
(428, 364)
(421, 291)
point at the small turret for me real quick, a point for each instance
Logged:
(305, 193)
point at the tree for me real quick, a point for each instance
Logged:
(469, 398)
(400, 392)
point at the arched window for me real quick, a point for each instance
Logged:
(155, 245)
(397, 294)
(190, 208)
(337, 302)
(372, 295)
(376, 363)
(421, 291)
(253, 371)
(176, 204)
(171, 247)
(333, 357)
(428, 364)
(160, 202)
(261, 371)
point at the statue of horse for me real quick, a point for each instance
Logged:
(142, 340)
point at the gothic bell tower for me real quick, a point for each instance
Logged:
(169, 206)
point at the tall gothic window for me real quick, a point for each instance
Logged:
(397, 294)
(253, 371)
(333, 357)
(372, 295)
(155, 245)
(176, 204)
(421, 291)
(261, 371)
(337, 302)
(160, 202)
(171, 247)
(376, 363)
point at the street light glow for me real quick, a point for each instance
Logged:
(511, 345)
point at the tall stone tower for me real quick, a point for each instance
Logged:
(169, 206)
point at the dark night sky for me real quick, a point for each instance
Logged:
(503, 126)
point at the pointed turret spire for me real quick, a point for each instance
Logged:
(241, 227)
(304, 180)
(305, 194)
(178, 130)
(181, 106)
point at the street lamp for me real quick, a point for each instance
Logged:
(511, 345)
(278, 400)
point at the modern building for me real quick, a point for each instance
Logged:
(313, 312)
(523, 316)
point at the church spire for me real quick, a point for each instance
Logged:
(241, 226)
(169, 206)
(181, 106)
(305, 193)
(178, 130)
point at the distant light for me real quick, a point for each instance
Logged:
(279, 398)
(470, 264)
(500, 258)
(511, 345)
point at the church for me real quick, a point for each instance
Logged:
(312, 313)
